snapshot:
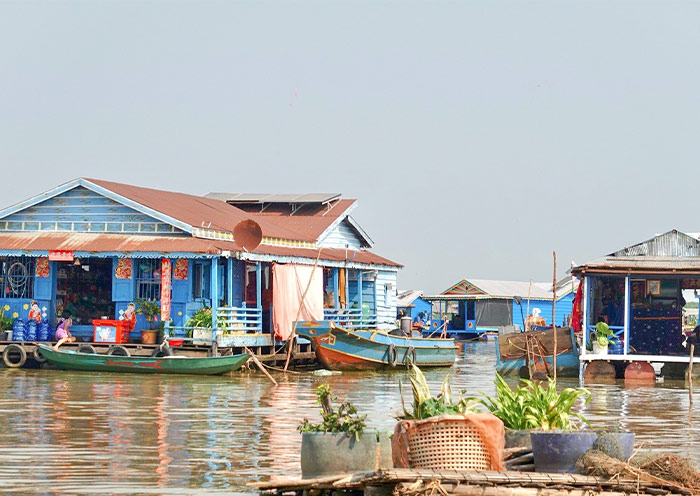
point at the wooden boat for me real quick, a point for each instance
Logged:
(338, 348)
(515, 350)
(72, 360)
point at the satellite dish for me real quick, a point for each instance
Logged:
(248, 234)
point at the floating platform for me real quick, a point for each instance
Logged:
(410, 482)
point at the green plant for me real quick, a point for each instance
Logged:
(343, 419)
(150, 309)
(603, 334)
(532, 406)
(5, 321)
(201, 319)
(426, 406)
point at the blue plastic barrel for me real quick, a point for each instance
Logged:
(618, 348)
(31, 330)
(19, 332)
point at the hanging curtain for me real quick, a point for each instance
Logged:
(289, 283)
(341, 288)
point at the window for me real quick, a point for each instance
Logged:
(148, 279)
(17, 277)
(201, 280)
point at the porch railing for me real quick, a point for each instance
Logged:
(242, 319)
(352, 318)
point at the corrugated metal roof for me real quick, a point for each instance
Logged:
(41, 241)
(670, 244)
(642, 263)
(510, 289)
(331, 254)
(406, 298)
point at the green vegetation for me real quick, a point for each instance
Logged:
(603, 334)
(343, 419)
(201, 318)
(5, 321)
(150, 309)
(425, 406)
(532, 406)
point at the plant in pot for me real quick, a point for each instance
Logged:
(199, 326)
(602, 338)
(341, 443)
(445, 432)
(150, 309)
(555, 428)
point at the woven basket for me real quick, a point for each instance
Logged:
(446, 443)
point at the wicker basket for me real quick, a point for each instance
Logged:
(448, 442)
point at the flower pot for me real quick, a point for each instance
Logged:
(149, 337)
(518, 438)
(329, 453)
(557, 451)
(598, 349)
(450, 442)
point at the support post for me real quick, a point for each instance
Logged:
(258, 284)
(626, 332)
(336, 296)
(214, 291)
(359, 296)
(229, 282)
(584, 337)
(554, 316)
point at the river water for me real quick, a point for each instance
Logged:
(80, 433)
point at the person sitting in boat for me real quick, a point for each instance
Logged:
(63, 334)
(35, 311)
(421, 320)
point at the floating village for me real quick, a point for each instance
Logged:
(103, 277)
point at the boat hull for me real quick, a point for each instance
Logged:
(342, 349)
(511, 363)
(71, 360)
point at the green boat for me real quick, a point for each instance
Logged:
(72, 360)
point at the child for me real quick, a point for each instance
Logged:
(35, 312)
(63, 334)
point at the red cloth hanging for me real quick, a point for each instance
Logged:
(577, 311)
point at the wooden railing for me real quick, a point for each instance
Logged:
(351, 318)
(243, 319)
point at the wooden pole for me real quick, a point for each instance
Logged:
(301, 305)
(554, 315)
(260, 366)
(529, 291)
(690, 375)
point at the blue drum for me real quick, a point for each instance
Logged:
(19, 332)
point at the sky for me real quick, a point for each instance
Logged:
(478, 136)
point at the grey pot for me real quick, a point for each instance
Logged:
(329, 453)
(518, 439)
(556, 451)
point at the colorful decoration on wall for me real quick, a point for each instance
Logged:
(61, 255)
(165, 289)
(42, 267)
(124, 268)
(182, 268)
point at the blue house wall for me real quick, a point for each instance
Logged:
(563, 310)
(419, 305)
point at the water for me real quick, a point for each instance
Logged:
(80, 433)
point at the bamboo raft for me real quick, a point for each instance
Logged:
(411, 482)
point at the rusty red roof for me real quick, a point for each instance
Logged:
(329, 254)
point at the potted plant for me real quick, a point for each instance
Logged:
(548, 416)
(445, 432)
(199, 326)
(340, 443)
(602, 338)
(150, 309)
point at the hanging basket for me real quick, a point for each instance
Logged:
(450, 442)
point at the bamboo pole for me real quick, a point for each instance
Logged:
(554, 315)
(260, 366)
(690, 375)
(301, 305)
(529, 291)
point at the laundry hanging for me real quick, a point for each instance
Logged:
(289, 283)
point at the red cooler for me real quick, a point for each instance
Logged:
(109, 331)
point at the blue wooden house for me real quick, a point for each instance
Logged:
(473, 307)
(412, 304)
(91, 247)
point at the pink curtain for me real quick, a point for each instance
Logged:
(289, 283)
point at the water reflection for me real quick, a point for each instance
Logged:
(78, 433)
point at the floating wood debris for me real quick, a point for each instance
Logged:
(409, 482)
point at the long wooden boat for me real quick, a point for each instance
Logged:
(338, 348)
(72, 360)
(512, 352)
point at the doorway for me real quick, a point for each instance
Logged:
(84, 289)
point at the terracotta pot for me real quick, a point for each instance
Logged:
(149, 337)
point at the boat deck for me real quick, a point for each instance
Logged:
(413, 482)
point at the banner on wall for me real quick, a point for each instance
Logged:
(181, 269)
(124, 268)
(42, 267)
(61, 255)
(165, 289)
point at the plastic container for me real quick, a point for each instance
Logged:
(19, 332)
(31, 330)
(109, 331)
(43, 331)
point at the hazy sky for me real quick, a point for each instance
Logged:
(478, 136)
